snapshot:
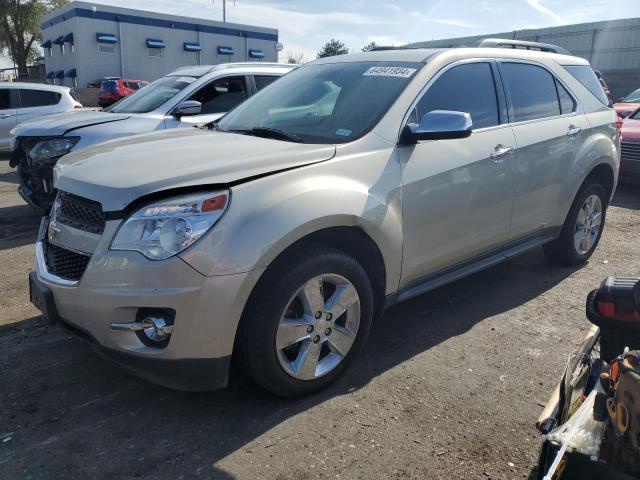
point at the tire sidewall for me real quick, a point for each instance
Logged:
(587, 191)
(266, 314)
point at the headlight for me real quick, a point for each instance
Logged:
(52, 148)
(163, 229)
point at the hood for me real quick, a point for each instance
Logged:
(630, 130)
(118, 172)
(63, 123)
(625, 109)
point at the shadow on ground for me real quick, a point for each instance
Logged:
(627, 196)
(74, 415)
(18, 226)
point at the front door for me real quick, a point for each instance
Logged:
(458, 194)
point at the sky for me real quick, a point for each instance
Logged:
(305, 25)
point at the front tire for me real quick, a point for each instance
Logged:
(306, 321)
(582, 228)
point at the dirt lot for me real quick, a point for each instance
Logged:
(448, 386)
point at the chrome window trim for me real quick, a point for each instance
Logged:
(499, 83)
(578, 105)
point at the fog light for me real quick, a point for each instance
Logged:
(157, 329)
(153, 326)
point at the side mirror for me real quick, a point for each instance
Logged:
(438, 125)
(188, 107)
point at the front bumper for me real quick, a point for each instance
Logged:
(116, 285)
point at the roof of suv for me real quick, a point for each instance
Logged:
(36, 86)
(424, 54)
(199, 71)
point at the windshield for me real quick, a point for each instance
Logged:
(327, 103)
(633, 97)
(152, 96)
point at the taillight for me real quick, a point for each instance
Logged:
(619, 122)
(78, 106)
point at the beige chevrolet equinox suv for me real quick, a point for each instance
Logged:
(277, 236)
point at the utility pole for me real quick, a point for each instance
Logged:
(224, 9)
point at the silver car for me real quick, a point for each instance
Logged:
(21, 102)
(187, 97)
(352, 183)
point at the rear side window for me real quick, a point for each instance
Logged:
(38, 98)
(567, 103)
(466, 88)
(264, 80)
(533, 91)
(587, 77)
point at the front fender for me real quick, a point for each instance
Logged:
(268, 215)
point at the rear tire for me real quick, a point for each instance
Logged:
(292, 342)
(582, 228)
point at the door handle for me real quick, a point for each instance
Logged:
(573, 131)
(500, 152)
(4, 115)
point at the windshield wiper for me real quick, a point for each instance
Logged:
(269, 133)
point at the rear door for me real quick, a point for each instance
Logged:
(549, 130)
(37, 103)
(458, 194)
(8, 115)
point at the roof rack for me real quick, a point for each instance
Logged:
(522, 44)
(382, 48)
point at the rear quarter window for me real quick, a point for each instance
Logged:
(587, 77)
(38, 98)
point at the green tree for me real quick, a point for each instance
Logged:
(20, 28)
(333, 47)
(369, 46)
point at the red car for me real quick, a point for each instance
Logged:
(630, 164)
(112, 90)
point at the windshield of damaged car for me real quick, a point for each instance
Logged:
(152, 96)
(326, 103)
(632, 97)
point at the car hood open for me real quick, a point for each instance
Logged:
(63, 123)
(118, 172)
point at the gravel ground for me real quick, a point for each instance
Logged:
(448, 386)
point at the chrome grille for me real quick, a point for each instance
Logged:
(79, 213)
(64, 263)
(631, 151)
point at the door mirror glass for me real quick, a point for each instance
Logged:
(438, 125)
(188, 107)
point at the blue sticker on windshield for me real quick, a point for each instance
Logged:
(343, 132)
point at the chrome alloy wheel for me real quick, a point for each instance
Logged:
(318, 327)
(588, 224)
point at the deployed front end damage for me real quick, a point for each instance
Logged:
(35, 158)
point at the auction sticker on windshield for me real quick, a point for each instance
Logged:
(402, 72)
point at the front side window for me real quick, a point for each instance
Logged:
(533, 91)
(155, 94)
(466, 88)
(221, 95)
(325, 103)
(38, 98)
